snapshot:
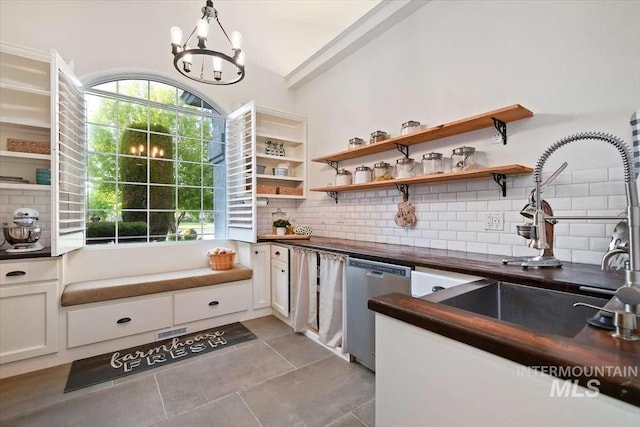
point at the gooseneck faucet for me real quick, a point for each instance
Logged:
(629, 293)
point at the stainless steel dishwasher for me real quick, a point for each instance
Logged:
(366, 279)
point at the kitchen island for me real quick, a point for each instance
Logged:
(414, 336)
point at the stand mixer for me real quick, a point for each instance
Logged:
(23, 235)
(545, 257)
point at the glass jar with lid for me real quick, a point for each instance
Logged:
(409, 127)
(463, 158)
(378, 136)
(343, 177)
(356, 143)
(363, 174)
(382, 171)
(431, 163)
(406, 168)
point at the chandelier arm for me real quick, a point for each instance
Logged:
(222, 28)
(185, 46)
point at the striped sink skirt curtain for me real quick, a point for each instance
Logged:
(307, 308)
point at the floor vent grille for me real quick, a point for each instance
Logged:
(171, 333)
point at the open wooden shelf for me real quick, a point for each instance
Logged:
(480, 121)
(431, 179)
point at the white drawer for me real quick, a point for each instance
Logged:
(100, 323)
(215, 301)
(28, 270)
(280, 252)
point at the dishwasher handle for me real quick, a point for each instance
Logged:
(375, 274)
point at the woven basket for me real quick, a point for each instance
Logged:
(24, 146)
(221, 261)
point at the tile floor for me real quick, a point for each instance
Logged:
(281, 379)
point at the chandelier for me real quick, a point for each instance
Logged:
(208, 65)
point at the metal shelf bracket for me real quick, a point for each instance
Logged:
(404, 149)
(404, 189)
(333, 164)
(501, 127)
(333, 195)
(501, 180)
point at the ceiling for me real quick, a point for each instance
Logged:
(278, 35)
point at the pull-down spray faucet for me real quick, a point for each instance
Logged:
(629, 293)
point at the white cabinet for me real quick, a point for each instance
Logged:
(28, 309)
(105, 322)
(421, 374)
(256, 169)
(280, 279)
(42, 102)
(25, 114)
(217, 300)
(281, 140)
(260, 263)
(122, 318)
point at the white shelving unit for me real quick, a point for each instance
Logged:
(25, 113)
(291, 131)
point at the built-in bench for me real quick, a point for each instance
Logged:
(127, 287)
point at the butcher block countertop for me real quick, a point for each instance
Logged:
(591, 347)
(567, 278)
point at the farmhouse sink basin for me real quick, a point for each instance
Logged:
(538, 309)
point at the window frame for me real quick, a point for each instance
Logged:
(218, 191)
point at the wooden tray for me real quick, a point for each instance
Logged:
(285, 237)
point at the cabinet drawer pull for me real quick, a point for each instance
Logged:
(212, 303)
(16, 273)
(278, 253)
(124, 320)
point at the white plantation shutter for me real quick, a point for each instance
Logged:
(68, 159)
(241, 180)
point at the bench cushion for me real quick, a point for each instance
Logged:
(126, 287)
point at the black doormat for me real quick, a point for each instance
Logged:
(117, 364)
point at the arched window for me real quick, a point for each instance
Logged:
(155, 163)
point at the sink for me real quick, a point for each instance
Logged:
(538, 309)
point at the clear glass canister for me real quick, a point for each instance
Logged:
(343, 177)
(410, 127)
(356, 143)
(363, 174)
(432, 163)
(382, 171)
(463, 158)
(378, 136)
(406, 168)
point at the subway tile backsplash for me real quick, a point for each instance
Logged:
(10, 200)
(452, 216)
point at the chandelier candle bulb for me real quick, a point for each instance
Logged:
(236, 40)
(176, 40)
(217, 63)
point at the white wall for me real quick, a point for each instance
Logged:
(575, 64)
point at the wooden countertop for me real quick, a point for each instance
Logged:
(568, 277)
(592, 347)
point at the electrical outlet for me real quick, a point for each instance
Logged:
(494, 221)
